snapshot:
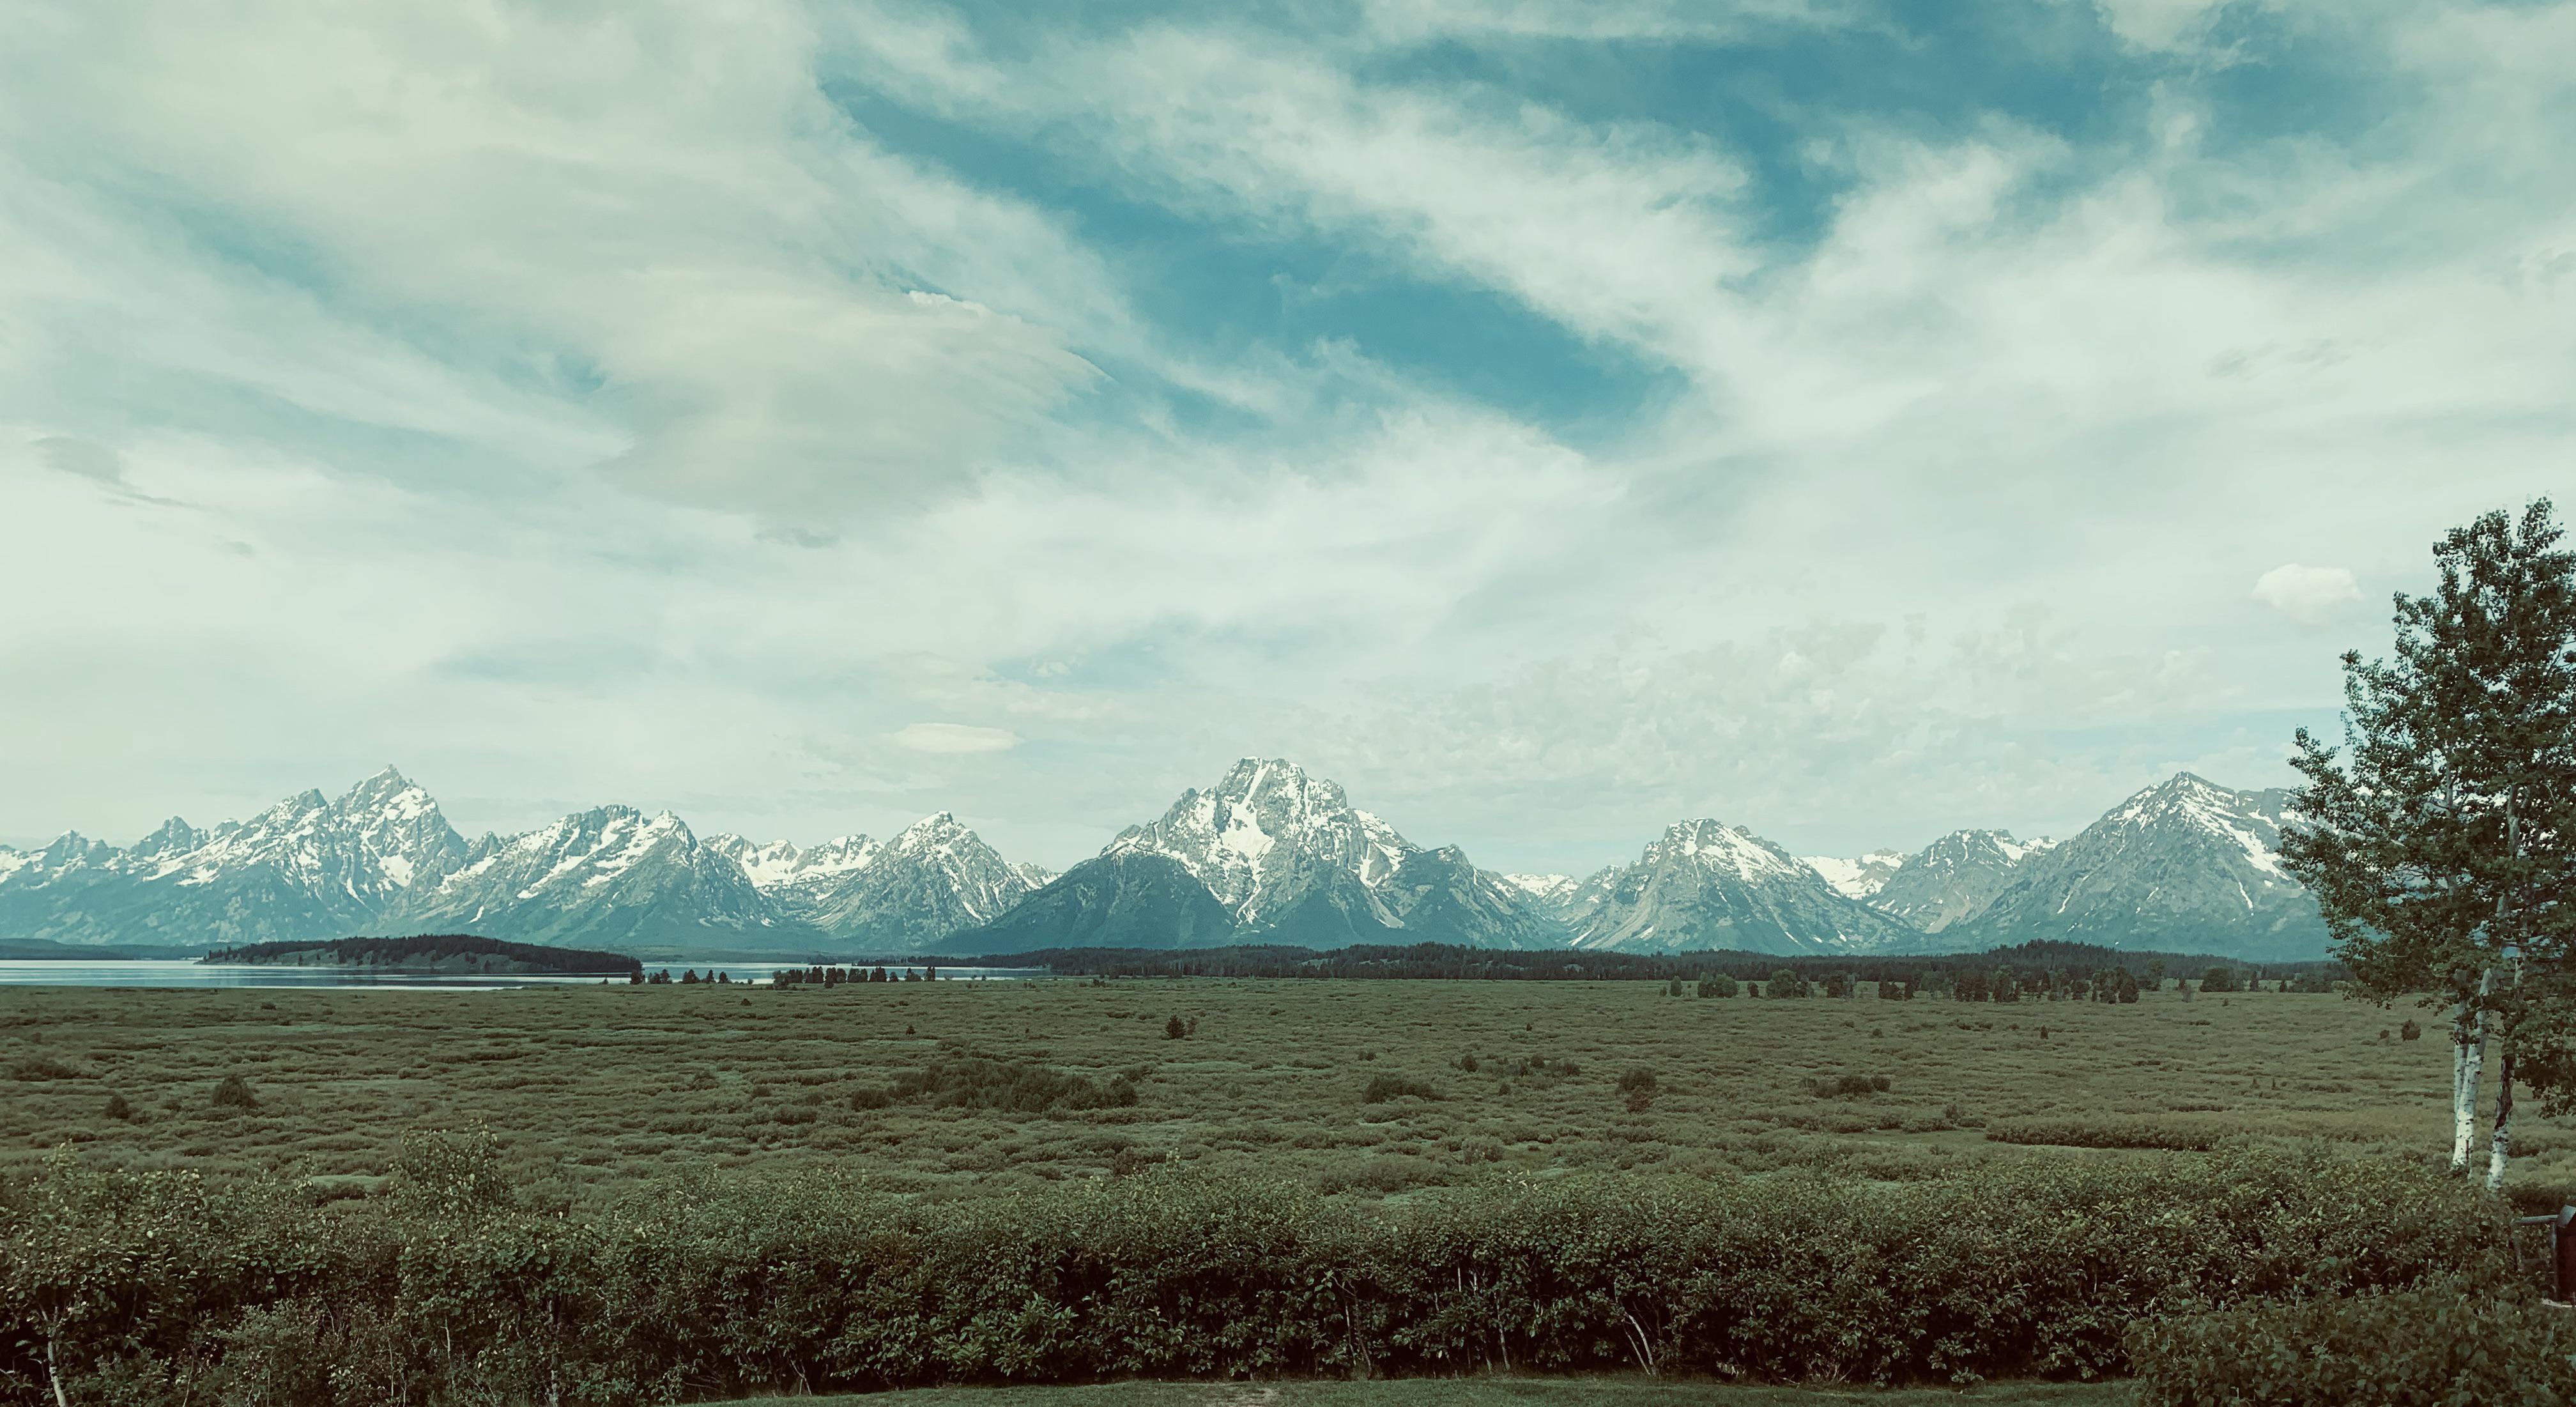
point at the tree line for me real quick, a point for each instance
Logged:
(2039, 966)
(431, 947)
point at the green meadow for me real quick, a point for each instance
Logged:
(1361, 1088)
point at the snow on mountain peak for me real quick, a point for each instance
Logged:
(1260, 837)
(930, 832)
(1545, 888)
(1733, 848)
(2248, 821)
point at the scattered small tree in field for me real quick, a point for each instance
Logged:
(233, 1092)
(2440, 839)
(2218, 979)
(1717, 986)
(1175, 1028)
(1787, 983)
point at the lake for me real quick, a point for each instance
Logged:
(150, 972)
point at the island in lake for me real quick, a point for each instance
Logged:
(443, 952)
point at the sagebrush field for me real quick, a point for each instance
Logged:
(1362, 1088)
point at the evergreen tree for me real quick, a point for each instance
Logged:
(2438, 839)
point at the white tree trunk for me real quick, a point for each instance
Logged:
(2468, 1052)
(2500, 1147)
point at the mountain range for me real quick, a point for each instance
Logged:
(1267, 854)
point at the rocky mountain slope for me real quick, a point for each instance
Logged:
(1703, 884)
(2185, 865)
(597, 878)
(1954, 878)
(905, 894)
(1285, 858)
(307, 867)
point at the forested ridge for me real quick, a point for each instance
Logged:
(432, 948)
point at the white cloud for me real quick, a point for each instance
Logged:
(2306, 594)
(2158, 24)
(954, 738)
(652, 225)
(1991, 451)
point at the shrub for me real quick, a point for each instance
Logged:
(2410, 1031)
(1383, 1173)
(32, 1068)
(1382, 1088)
(1009, 1086)
(2104, 1133)
(1637, 1086)
(867, 1097)
(234, 1093)
(118, 1109)
(1467, 1063)
(1786, 983)
(2435, 1344)
(1175, 1028)
(158, 1287)
(1717, 987)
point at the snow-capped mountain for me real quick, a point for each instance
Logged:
(2183, 866)
(1285, 858)
(1267, 855)
(1954, 878)
(1859, 878)
(1548, 894)
(1703, 884)
(381, 858)
(601, 877)
(933, 879)
(307, 867)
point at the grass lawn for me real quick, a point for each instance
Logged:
(1483, 1392)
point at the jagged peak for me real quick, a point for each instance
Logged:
(175, 829)
(302, 803)
(1740, 849)
(936, 829)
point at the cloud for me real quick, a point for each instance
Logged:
(652, 223)
(953, 738)
(1911, 429)
(100, 465)
(2306, 594)
(2158, 24)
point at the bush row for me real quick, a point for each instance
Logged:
(2114, 1132)
(159, 1288)
(2431, 1345)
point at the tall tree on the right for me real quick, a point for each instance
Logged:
(2440, 840)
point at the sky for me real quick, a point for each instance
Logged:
(1549, 418)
